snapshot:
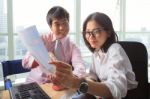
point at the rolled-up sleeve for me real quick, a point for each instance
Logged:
(116, 82)
(27, 61)
(116, 72)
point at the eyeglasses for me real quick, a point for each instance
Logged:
(95, 32)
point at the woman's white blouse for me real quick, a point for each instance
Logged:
(114, 69)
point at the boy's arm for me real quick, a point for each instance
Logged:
(29, 61)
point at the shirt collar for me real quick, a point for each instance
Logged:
(62, 40)
(99, 53)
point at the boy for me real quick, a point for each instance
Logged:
(58, 21)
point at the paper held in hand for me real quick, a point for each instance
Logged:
(33, 42)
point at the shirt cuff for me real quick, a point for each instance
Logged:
(32, 62)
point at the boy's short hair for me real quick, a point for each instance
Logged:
(56, 12)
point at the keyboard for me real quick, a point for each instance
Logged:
(28, 91)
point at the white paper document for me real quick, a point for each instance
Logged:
(33, 42)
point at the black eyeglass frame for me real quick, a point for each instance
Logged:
(94, 32)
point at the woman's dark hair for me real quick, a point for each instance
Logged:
(56, 12)
(104, 21)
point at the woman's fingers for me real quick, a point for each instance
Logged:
(63, 73)
(63, 67)
(60, 64)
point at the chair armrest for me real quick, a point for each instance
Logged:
(7, 84)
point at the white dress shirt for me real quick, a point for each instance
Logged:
(114, 69)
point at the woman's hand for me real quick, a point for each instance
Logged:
(48, 77)
(64, 74)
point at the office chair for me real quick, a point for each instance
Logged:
(12, 67)
(138, 57)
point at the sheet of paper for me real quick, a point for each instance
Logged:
(33, 42)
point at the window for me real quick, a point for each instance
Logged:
(130, 20)
(109, 7)
(137, 21)
(33, 12)
(3, 48)
(3, 17)
(3, 31)
(137, 18)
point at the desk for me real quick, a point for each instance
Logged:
(48, 89)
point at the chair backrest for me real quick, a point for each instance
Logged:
(13, 67)
(138, 57)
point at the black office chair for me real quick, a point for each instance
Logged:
(11, 67)
(138, 56)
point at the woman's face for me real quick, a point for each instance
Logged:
(95, 34)
(60, 27)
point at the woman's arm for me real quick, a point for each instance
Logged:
(65, 78)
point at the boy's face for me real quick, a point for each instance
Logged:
(60, 27)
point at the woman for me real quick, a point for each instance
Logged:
(111, 72)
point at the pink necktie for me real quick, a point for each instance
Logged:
(58, 50)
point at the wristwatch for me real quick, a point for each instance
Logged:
(83, 86)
